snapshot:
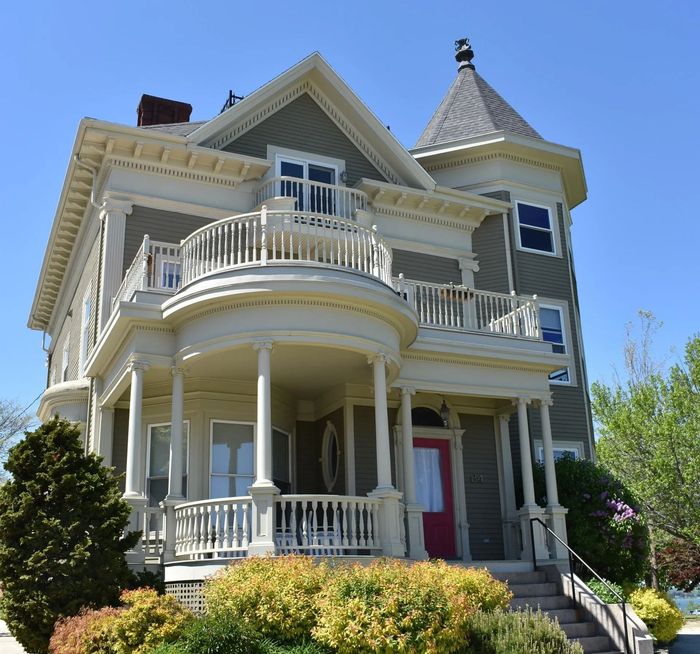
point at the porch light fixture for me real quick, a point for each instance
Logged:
(344, 176)
(444, 413)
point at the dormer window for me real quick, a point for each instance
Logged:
(312, 191)
(535, 231)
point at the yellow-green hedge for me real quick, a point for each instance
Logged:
(658, 611)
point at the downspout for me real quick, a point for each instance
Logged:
(98, 290)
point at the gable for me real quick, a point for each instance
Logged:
(302, 125)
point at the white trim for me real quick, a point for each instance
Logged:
(326, 464)
(566, 337)
(564, 446)
(277, 154)
(211, 449)
(65, 356)
(556, 251)
(85, 329)
(290, 456)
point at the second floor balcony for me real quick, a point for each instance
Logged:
(283, 237)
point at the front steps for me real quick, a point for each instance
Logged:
(532, 589)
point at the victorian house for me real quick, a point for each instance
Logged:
(289, 333)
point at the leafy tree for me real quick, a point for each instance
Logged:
(61, 526)
(603, 523)
(679, 563)
(650, 426)
(13, 421)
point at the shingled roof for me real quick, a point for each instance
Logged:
(472, 107)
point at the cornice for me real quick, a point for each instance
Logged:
(490, 156)
(457, 360)
(423, 218)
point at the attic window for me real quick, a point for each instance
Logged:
(535, 230)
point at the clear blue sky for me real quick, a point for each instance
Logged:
(619, 80)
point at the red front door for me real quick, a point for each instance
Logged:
(434, 493)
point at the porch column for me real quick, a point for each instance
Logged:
(113, 216)
(263, 490)
(414, 511)
(529, 509)
(133, 487)
(391, 522)
(176, 465)
(556, 514)
(510, 517)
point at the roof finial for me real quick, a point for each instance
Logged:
(464, 55)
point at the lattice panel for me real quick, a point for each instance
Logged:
(188, 593)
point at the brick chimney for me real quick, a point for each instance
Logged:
(158, 111)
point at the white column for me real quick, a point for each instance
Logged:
(381, 423)
(175, 470)
(414, 511)
(349, 422)
(113, 215)
(390, 517)
(134, 448)
(511, 513)
(556, 514)
(529, 510)
(263, 490)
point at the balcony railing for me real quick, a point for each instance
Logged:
(271, 237)
(449, 306)
(314, 197)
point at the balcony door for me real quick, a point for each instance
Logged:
(434, 493)
(312, 192)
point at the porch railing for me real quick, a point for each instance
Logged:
(452, 306)
(315, 197)
(327, 525)
(270, 237)
(156, 266)
(217, 528)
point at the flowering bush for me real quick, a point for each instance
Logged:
(80, 633)
(603, 524)
(390, 606)
(274, 596)
(658, 611)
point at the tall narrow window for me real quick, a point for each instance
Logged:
(535, 228)
(65, 360)
(281, 474)
(232, 459)
(159, 461)
(85, 329)
(552, 324)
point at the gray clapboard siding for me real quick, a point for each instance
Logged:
(119, 443)
(489, 245)
(366, 449)
(426, 267)
(166, 226)
(482, 490)
(302, 125)
(309, 444)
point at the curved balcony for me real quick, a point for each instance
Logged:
(277, 237)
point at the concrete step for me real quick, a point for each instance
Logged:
(545, 603)
(521, 577)
(592, 644)
(564, 616)
(578, 629)
(534, 590)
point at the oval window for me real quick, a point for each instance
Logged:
(330, 456)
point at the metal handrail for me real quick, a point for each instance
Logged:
(571, 573)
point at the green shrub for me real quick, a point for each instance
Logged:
(603, 593)
(62, 519)
(273, 596)
(522, 632)
(392, 606)
(658, 611)
(271, 647)
(217, 634)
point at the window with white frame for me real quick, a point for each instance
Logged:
(85, 328)
(65, 359)
(560, 449)
(158, 463)
(535, 230)
(552, 326)
(312, 191)
(232, 468)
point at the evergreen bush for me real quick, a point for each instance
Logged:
(61, 533)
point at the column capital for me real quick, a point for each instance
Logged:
(113, 205)
(265, 344)
(521, 400)
(407, 390)
(176, 369)
(546, 401)
(379, 357)
(504, 415)
(138, 364)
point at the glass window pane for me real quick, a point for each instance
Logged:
(157, 490)
(159, 459)
(230, 485)
(535, 216)
(321, 174)
(232, 448)
(280, 456)
(536, 239)
(550, 318)
(291, 169)
(560, 375)
(428, 479)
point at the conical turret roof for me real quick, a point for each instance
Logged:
(472, 107)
